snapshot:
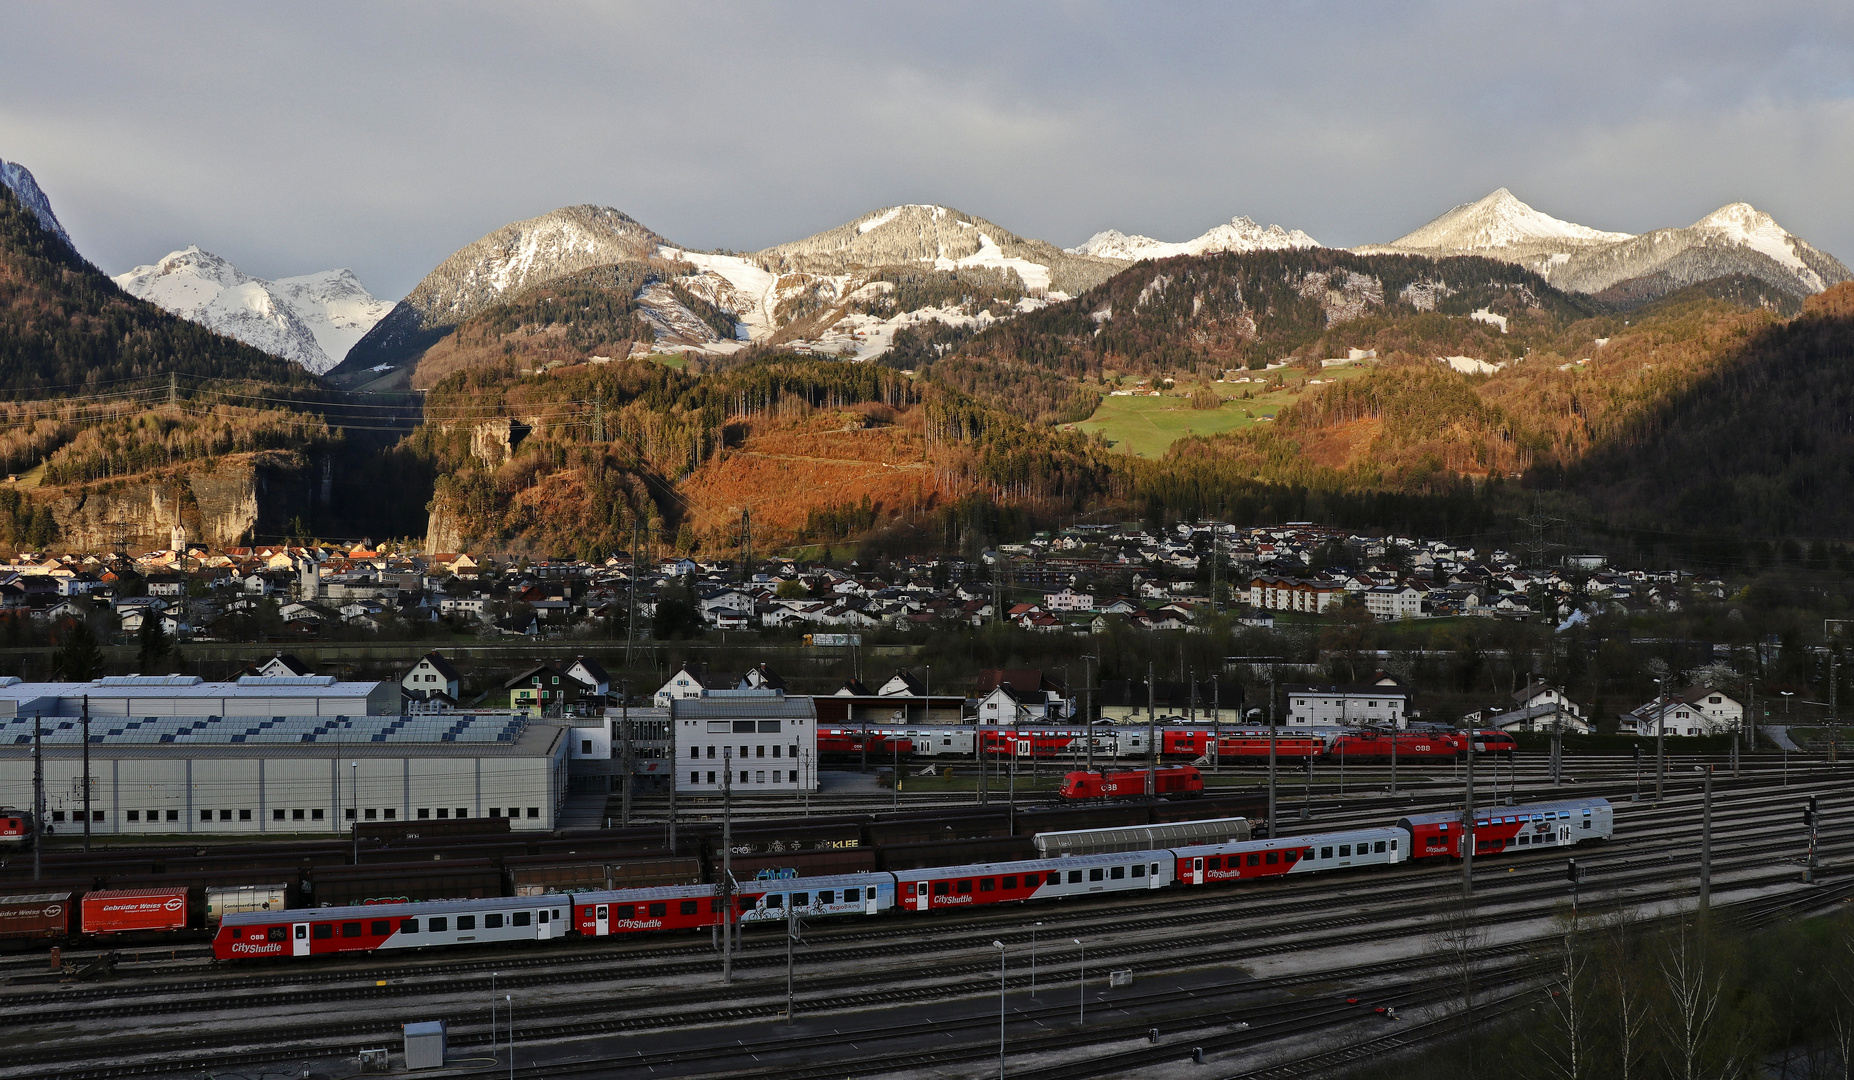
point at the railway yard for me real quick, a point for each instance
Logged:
(1285, 976)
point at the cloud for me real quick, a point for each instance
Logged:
(294, 138)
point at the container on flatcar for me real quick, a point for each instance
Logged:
(117, 911)
(35, 915)
(223, 900)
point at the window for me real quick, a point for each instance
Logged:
(1096, 873)
(135, 815)
(206, 815)
(174, 815)
(466, 922)
(1074, 877)
(585, 746)
(964, 888)
(1255, 858)
(315, 814)
(444, 812)
(792, 751)
(1378, 847)
(759, 751)
(1345, 851)
(1009, 881)
(1117, 873)
(940, 888)
(792, 778)
(827, 897)
(776, 750)
(1139, 869)
(348, 813)
(390, 813)
(534, 811)
(295, 815)
(522, 917)
(659, 909)
(688, 907)
(744, 752)
(438, 924)
(57, 815)
(711, 753)
(381, 927)
(243, 815)
(350, 929)
(408, 926)
(759, 776)
(769, 727)
(696, 751)
(1393, 845)
(370, 813)
(743, 776)
(987, 884)
(1274, 858)
(276, 933)
(322, 931)
(711, 776)
(1326, 853)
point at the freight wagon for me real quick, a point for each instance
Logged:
(120, 911)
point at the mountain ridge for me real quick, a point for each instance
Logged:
(1239, 234)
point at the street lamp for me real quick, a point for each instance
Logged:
(354, 797)
(1787, 695)
(999, 945)
(1082, 993)
(508, 1007)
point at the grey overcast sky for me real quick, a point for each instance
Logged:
(297, 137)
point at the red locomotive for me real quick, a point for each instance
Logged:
(1172, 780)
(1374, 747)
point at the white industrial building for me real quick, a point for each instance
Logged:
(269, 755)
(773, 741)
(1385, 701)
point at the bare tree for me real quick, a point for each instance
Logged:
(1693, 996)
(1561, 1048)
(1457, 942)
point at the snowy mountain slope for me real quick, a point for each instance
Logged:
(19, 179)
(944, 238)
(1240, 234)
(497, 266)
(312, 319)
(1734, 240)
(1499, 221)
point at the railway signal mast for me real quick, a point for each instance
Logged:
(1811, 818)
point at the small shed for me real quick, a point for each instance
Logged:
(425, 1045)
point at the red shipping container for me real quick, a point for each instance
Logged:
(118, 910)
(35, 915)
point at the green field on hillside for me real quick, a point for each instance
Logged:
(1148, 425)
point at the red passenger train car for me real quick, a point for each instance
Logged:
(1173, 780)
(1241, 860)
(1241, 747)
(1511, 828)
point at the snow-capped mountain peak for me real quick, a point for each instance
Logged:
(18, 179)
(1238, 235)
(1500, 220)
(312, 319)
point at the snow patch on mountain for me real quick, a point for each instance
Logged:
(741, 286)
(1745, 224)
(313, 319)
(1035, 276)
(19, 180)
(1239, 235)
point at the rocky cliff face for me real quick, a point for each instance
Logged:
(222, 503)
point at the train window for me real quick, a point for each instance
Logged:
(350, 929)
(1008, 881)
(987, 884)
(1274, 858)
(1215, 862)
(940, 888)
(1291, 856)
(851, 895)
(381, 927)
(1586, 823)
(1255, 858)
(1074, 876)
(964, 888)
(1326, 853)
(492, 922)
(1393, 845)
(1524, 838)
(1117, 873)
(466, 922)
(277, 933)
(688, 907)
(437, 924)
(521, 918)
(1154, 869)
(322, 931)
(1378, 848)
(659, 909)
(775, 900)
(829, 896)
(1139, 869)
(1345, 850)
(619, 911)
(408, 926)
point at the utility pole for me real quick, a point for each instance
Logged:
(1152, 750)
(1271, 755)
(627, 765)
(791, 938)
(630, 618)
(1705, 882)
(87, 772)
(674, 764)
(38, 791)
(1660, 750)
(1088, 707)
(726, 884)
(1467, 828)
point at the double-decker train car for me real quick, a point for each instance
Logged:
(1171, 781)
(1511, 828)
(1210, 864)
(379, 927)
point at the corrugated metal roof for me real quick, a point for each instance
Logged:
(756, 708)
(267, 731)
